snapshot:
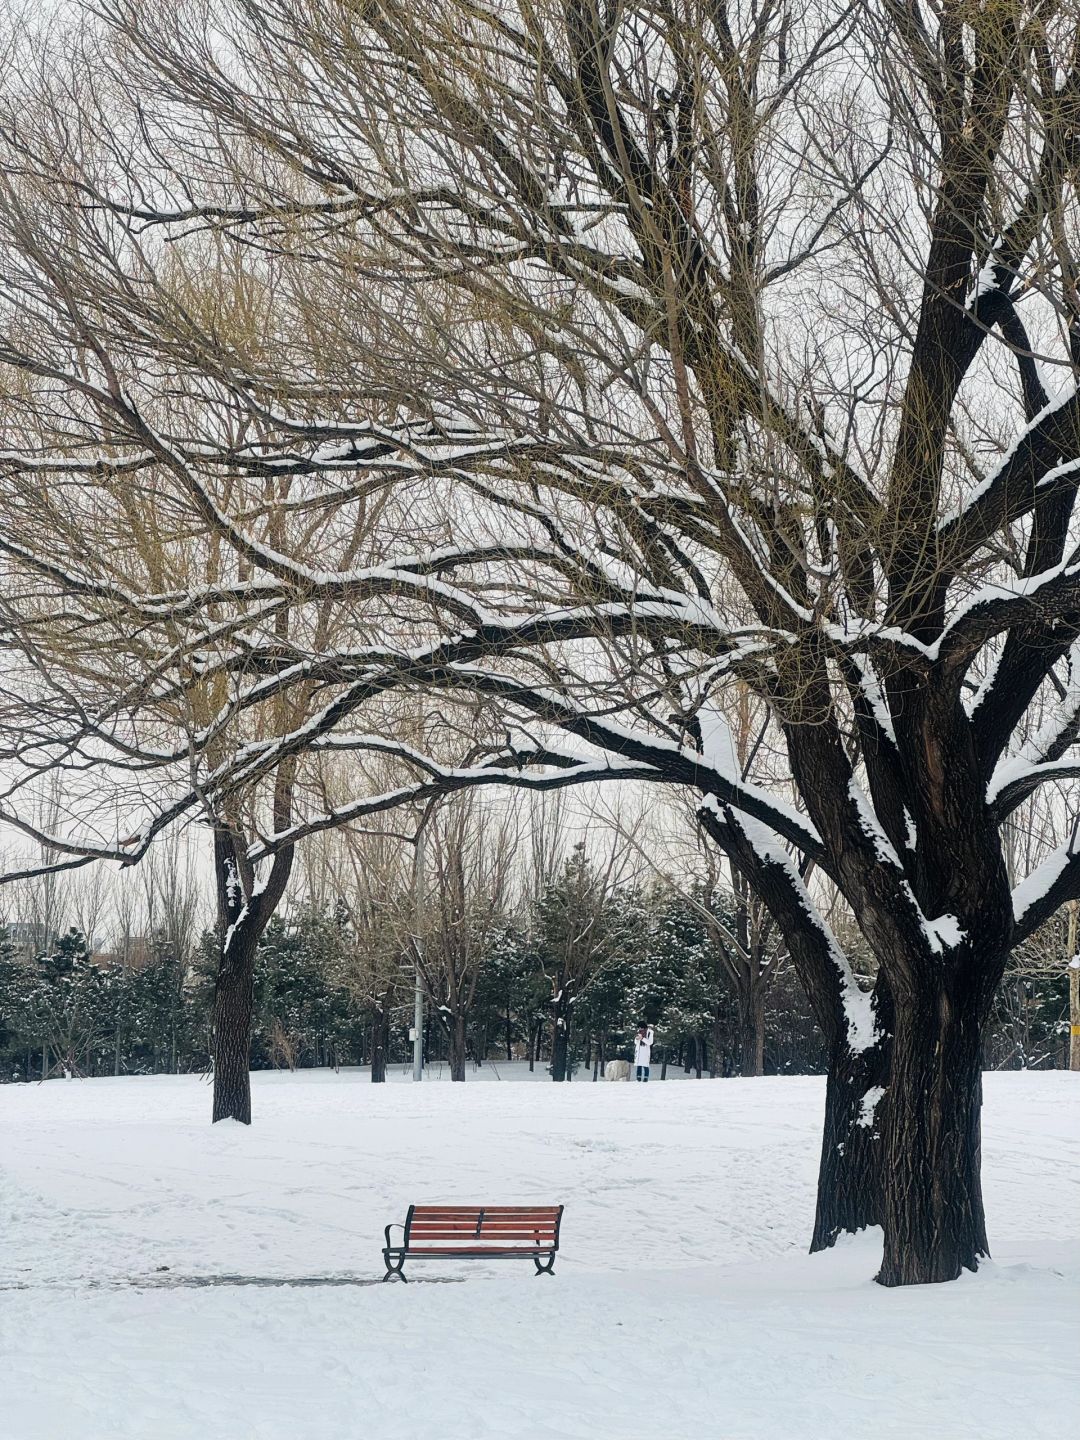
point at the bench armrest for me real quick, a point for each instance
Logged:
(396, 1225)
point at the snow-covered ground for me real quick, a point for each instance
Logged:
(682, 1301)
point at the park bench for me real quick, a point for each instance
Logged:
(474, 1232)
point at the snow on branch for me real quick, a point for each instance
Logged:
(1031, 470)
(1038, 759)
(856, 1004)
(447, 781)
(1046, 889)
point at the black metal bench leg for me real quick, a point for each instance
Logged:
(547, 1268)
(394, 1270)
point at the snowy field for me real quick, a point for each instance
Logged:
(682, 1303)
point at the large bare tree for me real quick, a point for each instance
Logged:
(701, 345)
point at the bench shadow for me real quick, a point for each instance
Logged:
(209, 1282)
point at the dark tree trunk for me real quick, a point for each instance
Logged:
(243, 914)
(849, 1194)
(560, 1031)
(933, 1209)
(751, 1032)
(457, 1046)
(716, 1048)
(559, 1048)
(509, 1035)
(380, 1042)
(560, 1044)
(233, 1005)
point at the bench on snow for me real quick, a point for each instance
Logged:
(474, 1232)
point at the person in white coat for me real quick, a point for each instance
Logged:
(643, 1043)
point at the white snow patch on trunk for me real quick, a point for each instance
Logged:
(869, 1105)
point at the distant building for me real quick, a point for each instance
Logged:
(29, 939)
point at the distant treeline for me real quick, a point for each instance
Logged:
(563, 985)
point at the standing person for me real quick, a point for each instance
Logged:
(643, 1043)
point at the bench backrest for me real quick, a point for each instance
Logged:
(468, 1225)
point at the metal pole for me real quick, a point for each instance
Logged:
(418, 998)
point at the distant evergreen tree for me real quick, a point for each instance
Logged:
(582, 930)
(302, 1004)
(504, 992)
(675, 987)
(68, 1014)
(16, 980)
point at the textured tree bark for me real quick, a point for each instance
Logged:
(933, 1215)
(380, 1042)
(716, 1047)
(457, 1046)
(560, 1031)
(849, 1196)
(558, 1055)
(244, 912)
(851, 1171)
(751, 1033)
(559, 1046)
(233, 1005)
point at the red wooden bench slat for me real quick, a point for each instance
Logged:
(492, 1214)
(496, 1220)
(488, 1225)
(546, 1223)
(462, 1236)
(453, 1230)
(487, 1209)
(474, 1252)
